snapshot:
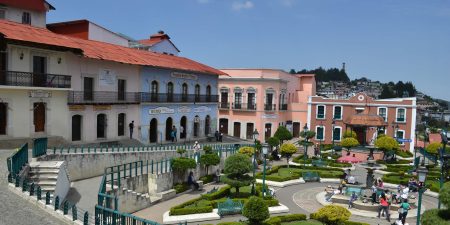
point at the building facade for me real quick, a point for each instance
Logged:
(186, 100)
(262, 100)
(366, 116)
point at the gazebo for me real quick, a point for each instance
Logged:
(361, 123)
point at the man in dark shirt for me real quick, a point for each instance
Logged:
(131, 125)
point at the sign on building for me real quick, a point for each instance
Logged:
(161, 110)
(184, 76)
(107, 77)
(184, 109)
(40, 94)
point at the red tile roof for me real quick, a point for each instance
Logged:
(35, 5)
(150, 42)
(100, 50)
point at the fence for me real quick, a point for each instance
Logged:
(106, 216)
(427, 155)
(17, 161)
(39, 147)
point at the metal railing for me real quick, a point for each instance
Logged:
(270, 107)
(28, 79)
(18, 160)
(244, 106)
(167, 97)
(103, 97)
(283, 106)
(224, 105)
(39, 147)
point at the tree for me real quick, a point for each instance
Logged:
(433, 148)
(247, 150)
(444, 195)
(349, 143)
(181, 151)
(332, 215)
(210, 159)
(287, 150)
(182, 164)
(256, 210)
(436, 216)
(236, 168)
(207, 149)
(307, 134)
(283, 134)
(273, 141)
(386, 143)
(349, 134)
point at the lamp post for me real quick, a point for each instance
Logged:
(265, 149)
(332, 137)
(422, 174)
(255, 137)
(441, 157)
(305, 143)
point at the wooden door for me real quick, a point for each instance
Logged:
(3, 118)
(169, 128)
(268, 131)
(224, 100)
(101, 126)
(296, 129)
(121, 124)
(39, 116)
(39, 71)
(223, 123)
(250, 129)
(88, 88)
(237, 129)
(76, 127)
(153, 132)
(360, 135)
(183, 127)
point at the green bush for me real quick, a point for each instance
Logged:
(221, 193)
(436, 217)
(273, 141)
(231, 223)
(273, 221)
(342, 165)
(386, 143)
(433, 148)
(209, 159)
(349, 143)
(354, 223)
(332, 215)
(191, 210)
(291, 217)
(207, 179)
(404, 154)
(182, 164)
(444, 194)
(181, 151)
(256, 210)
(236, 168)
(283, 134)
(247, 150)
(287, 150)
(179, 188)
(349, 134)
(207, 149)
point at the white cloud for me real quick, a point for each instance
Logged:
(242, 5)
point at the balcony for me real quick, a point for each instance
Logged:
(27, 79)
(177, 98)
(103, 98)
(270, 107)
(224, 106)
(283, 107)
(244, 106)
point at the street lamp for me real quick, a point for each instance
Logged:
(422, 174)
(441, 156)
(265, 149)
(255, 137)
(305, 143)
(332, 137)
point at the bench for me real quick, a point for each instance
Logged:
(229, 207)
(311, 176)
(200, 185)
(319, 163)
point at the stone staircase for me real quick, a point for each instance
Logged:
(45, 174)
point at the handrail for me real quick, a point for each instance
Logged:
(18, 160)
(29, 79)
(39, 147)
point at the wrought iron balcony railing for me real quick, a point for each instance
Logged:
(244, 106)
(270, 107)
(224, 105)
(27, 79)
(102, 98)
(283, 106)
(165, 97)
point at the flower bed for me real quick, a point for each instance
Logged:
(395, 178)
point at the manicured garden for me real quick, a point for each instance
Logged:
(399, 175)
(328, 162)
(283, 173)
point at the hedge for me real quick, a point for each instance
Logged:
(223, 192)
(354, 223)
(404, 154)
(277, 220)
(436, 217)
(179, 188)
(207, 179)
(232, 223)
(193, 210)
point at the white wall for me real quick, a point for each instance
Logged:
(26, 63)
(38, 19)
(62, 183)
(101, 34)
(164, 46)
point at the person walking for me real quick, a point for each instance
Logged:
(384, 207)
(352, 199)
(196, 150)
(217, 135)
(403, 211)
(131, 126)
(174, 130)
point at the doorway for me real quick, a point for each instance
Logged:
(39, 70)
(121, 124)
(207, 125)
(196, 125)
(121, 85)
(76, 127)
(88, 88)
(169, 124)
(296, 129)
(153, 131)
(223, 124)
(268, 131)
(224, 100)
(3, 118)
(250, 129)
(39, 116)
(183, 127)
(360, 135)
(237, 129)
(101, 125)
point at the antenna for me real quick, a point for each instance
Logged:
(343, 66)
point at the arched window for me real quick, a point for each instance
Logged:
(170, 92)
(184, 93)
(208, 93)
(154, 91)
(197, 93)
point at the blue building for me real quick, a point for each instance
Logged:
(186, 100)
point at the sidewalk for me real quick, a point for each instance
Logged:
(155, 212)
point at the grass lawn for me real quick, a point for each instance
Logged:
(309, 222)
(285, 172)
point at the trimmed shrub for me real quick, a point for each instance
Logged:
(386, 143)
(287, 150)
(207, 179)
(433, 148)
(349, 134)
(354, 223)
(349, 143)
(283, 134)
(332, 214)
(247, 150)
(273, 221)
(236, 168)
(436, 217)
(181, 151)
(444, 194)
(404, 154)
(256, 210)
(221, 193)
(273, 141)
(231, 223)
(179, 188)
(183, 164)
(209, 159)
(191, 210)
(207, 149)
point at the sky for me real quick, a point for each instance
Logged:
(386, 40)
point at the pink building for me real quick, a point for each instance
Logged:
(263, 99)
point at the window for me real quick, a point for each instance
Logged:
(121, 85)
(208, 93)
(401, 115)
(320, 112)
(184, 93)
(197, 93)
(237, 100)
(400, 135)
(320, 133)
(26, 18)
(337, 133)
(337, 112)
(154, 91)
(170, 92)
(382, 111)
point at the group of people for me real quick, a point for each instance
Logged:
(386, 200)
(218, 136)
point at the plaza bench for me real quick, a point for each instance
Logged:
(319, 163)
(311, 176)
(229, 207)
